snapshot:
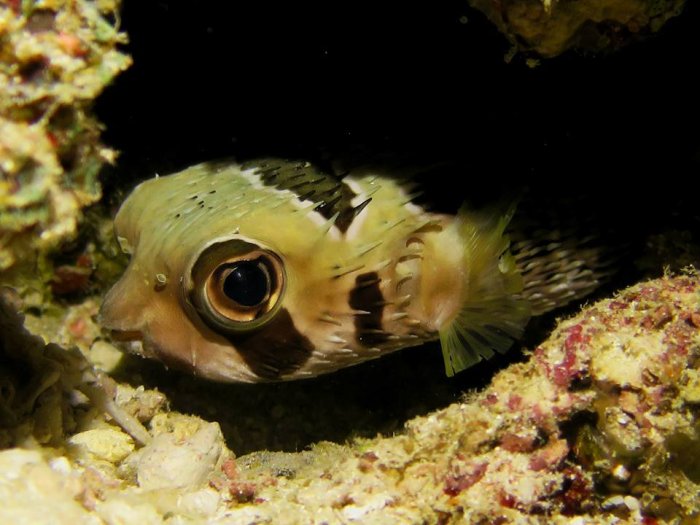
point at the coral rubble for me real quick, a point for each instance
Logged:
(599, 425)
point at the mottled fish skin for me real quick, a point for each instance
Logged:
(365, 272)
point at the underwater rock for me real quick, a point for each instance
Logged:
(550, 27)
(39, 394)
(172, 461)
(64, 424)
(599, 425)
(102, 444)
(55, 58)
(30, 488)
(600, 410)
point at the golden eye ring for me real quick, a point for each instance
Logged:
(237, 286)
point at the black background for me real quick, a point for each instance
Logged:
(216, 79)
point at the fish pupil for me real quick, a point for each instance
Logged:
(247, 283)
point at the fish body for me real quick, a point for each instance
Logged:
(275, 270)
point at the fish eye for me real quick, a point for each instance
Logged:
(237, 286)
(247, 283)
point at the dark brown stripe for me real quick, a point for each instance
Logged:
(276, 349)
(367, 296)
(330, 194)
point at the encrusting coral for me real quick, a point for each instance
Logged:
(56, 57)
(551, 27)
(599, 425)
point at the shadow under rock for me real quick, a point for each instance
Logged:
(377, 397)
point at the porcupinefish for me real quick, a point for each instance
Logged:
(275, 270)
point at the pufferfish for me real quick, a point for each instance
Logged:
(275, 270)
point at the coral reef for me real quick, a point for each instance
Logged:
(599, 425)
(550, 27)
(55, 58)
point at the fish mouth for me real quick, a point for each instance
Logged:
(132, 341)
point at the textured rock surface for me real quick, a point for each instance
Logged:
(36, 491)
(598, 426)
(55, 58)
(550, 27)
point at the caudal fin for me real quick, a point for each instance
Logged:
(560, 252)
(564, 251)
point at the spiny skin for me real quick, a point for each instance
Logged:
(367, 272)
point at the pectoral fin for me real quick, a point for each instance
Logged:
(491, 317)
(481, 328)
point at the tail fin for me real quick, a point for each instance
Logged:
(560, 253)
(564, 251)
(492, 316)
